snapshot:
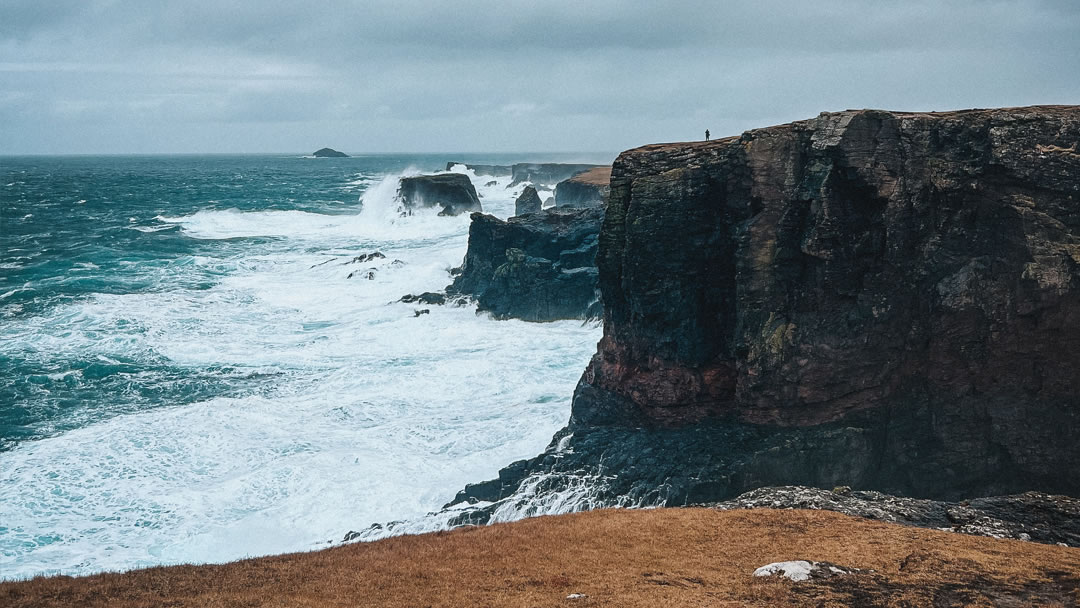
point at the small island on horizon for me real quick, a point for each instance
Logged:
(329, 153)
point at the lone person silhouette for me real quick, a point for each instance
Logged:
(706, 135)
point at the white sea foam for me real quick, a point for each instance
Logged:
(374, 414)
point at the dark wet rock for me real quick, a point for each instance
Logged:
(454, 192)
(491, 183)
(547, 174)
(528, 202)
(366, 257)
(588, 189)
(329, 153)
(368, 274)
(536, 267)
(428, 297)
(493, 170)
(421, 311)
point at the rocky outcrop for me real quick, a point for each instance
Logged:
(535, 267)
(546, 173)
(1030, 516)
(454, 192)
(528, 202)
(329, 153)
(888, 301)
(588, 189)
(492, 170)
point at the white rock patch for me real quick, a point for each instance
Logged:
(796, 571)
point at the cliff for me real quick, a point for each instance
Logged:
(535, 267)
(588, 189)
(876, 299)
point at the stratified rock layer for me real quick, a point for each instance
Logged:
(535, 267)
(453, 192)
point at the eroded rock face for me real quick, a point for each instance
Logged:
(535, 267)
(924, 268)
(588, 189)
(881, 300)
(454, 192)
(528, 202)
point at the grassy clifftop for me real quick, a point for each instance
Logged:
(661, 557)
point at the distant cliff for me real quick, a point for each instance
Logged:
(878, 299)
(588, 189)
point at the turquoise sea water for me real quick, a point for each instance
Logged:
(188, 374)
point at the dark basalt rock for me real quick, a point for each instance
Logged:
(492, 170)
(880, 300)
(546, 173)
(329, 153)
(454, 192)
(528, 202)
(588, 189)
(535, 267)
(428, 297)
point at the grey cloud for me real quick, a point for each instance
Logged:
(114, 75)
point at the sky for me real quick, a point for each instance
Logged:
(225, 76)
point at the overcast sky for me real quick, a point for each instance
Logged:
(134, 76)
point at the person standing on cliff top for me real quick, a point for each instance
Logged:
(706, 135)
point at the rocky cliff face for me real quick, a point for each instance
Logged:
(588, 189)
(882, 300)
(535, 267)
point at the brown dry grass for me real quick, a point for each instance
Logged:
(662, 557)
(597, 176)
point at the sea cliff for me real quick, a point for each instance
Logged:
(884, 300)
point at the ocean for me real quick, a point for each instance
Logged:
(189, 374)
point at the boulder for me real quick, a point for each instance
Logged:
(329, 153)
(453, 192)
(528, 202)
(588, 189)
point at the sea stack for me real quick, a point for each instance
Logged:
(528, 202)
(454, 192)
